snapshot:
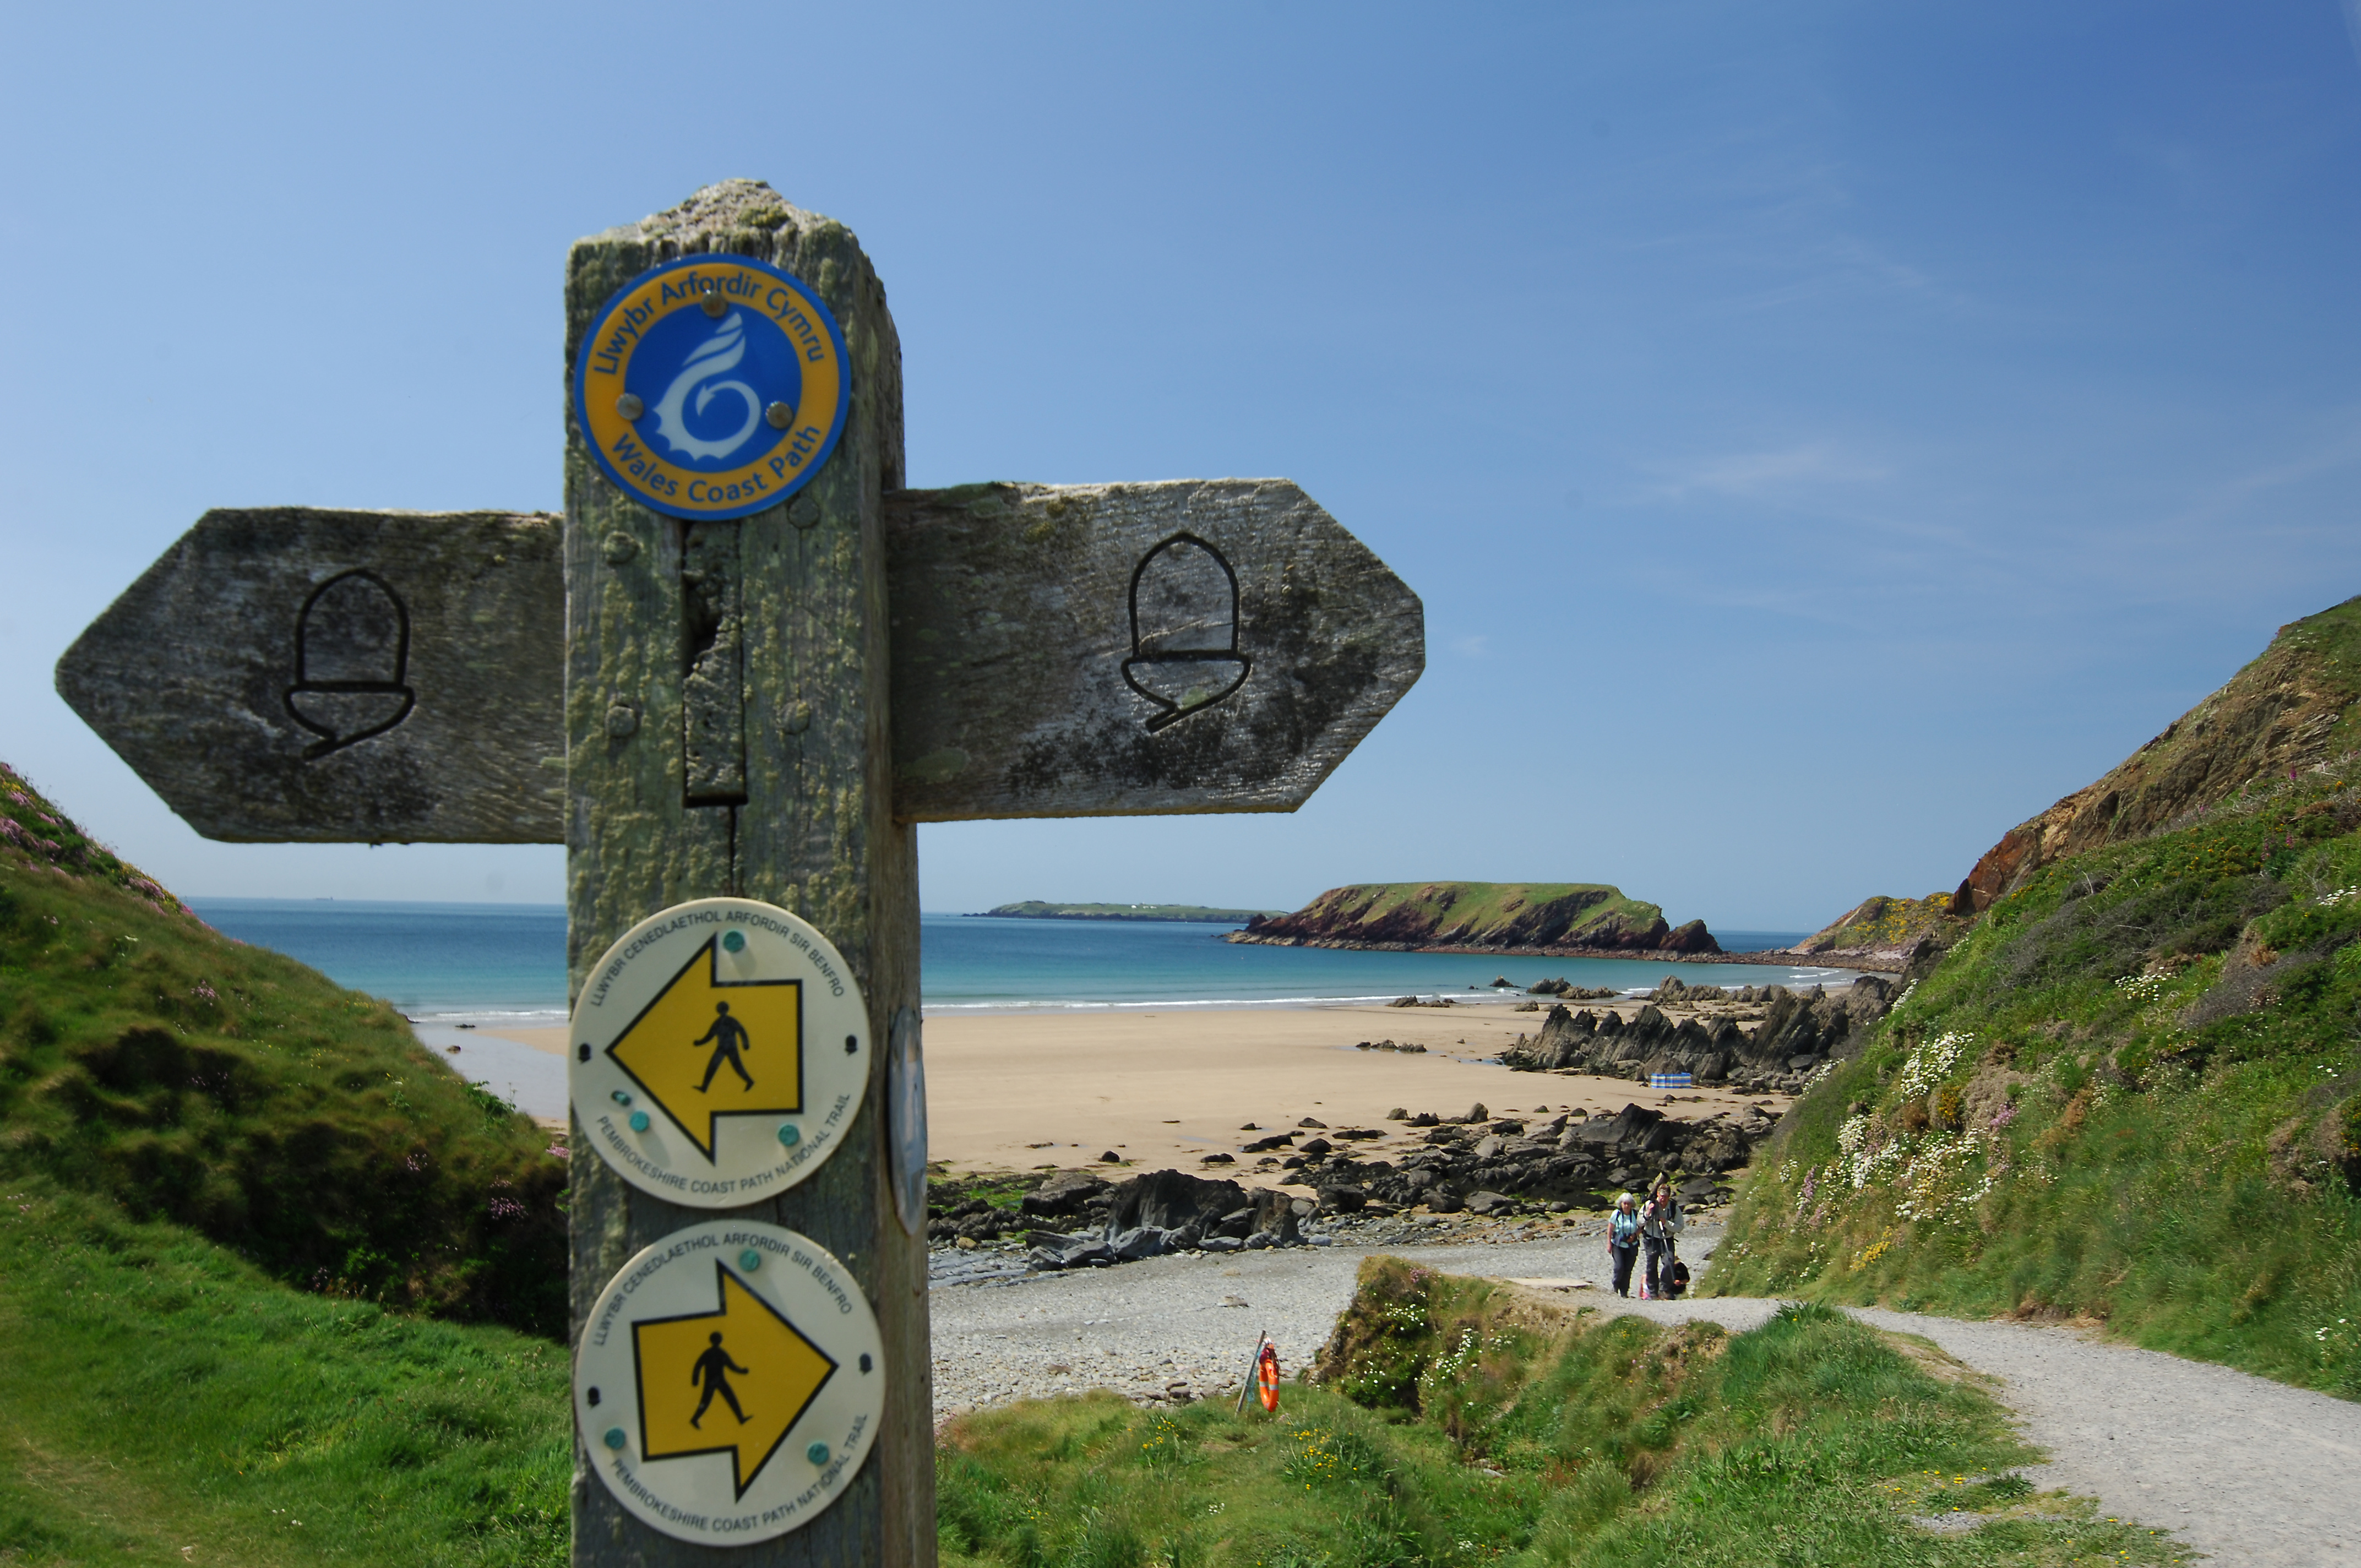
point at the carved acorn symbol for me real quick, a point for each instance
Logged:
(1184, 629)
(351, 658)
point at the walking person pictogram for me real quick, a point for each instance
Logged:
(711, 1371)
(727, 1035)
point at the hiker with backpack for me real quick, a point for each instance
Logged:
(1661, 1224)
(1623, 1242)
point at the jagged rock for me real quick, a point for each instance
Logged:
(1476, 1113)
(1425, 1119)
(1068, 1192)
(1314, 1146)
(1345, 1198)
(1313, 1122)
(1168, 1210)
(1690, 937)
(1141, 1241)
(1489, 1202)
(1713, 1047)
(1398, 1113)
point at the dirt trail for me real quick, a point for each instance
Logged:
(2246, 1470)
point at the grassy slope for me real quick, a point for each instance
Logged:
(2050, 1124)
(159, 1394)
(1473, 911)
(195, 1079)
(1461, 1424)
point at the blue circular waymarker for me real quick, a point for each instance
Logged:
(749, 1260)
(790, 1135)
(733, 941)
(615, 1437)
(639, 1121)
(817, 1453)
(712, 386)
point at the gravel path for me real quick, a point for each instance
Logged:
(2248, 1471)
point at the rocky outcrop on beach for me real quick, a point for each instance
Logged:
(1476, 1163)
(1767, 1037)
(1571, 919)
(1088, 1222)
(1490, 1165)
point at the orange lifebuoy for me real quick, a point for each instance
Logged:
(1266, 1377)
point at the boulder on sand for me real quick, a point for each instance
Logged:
(1169, 1211)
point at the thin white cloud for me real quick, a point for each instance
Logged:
(1766, 476)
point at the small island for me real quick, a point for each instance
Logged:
(1569, 919)
(1034, 909)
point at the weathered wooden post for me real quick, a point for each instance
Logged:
(768, 678)
(726, 734)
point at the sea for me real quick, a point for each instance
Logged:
(504, 964)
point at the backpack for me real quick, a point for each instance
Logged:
(1676, 1282)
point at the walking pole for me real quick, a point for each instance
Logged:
(1253, 1362)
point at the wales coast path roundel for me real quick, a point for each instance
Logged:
(729, 1382)
(719, 1051)
(712, 386)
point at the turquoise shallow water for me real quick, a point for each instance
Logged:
(492, 962)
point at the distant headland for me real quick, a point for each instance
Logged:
(1034, 909)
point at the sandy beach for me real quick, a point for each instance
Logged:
(1013, 1091)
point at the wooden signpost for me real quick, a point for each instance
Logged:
(760, 705)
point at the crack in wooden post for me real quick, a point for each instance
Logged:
(713, 683)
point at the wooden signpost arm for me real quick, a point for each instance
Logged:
(727, 732)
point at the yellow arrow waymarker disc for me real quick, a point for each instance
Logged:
(729, 1382)
(719, 1051)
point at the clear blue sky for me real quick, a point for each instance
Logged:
(1822, 433)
